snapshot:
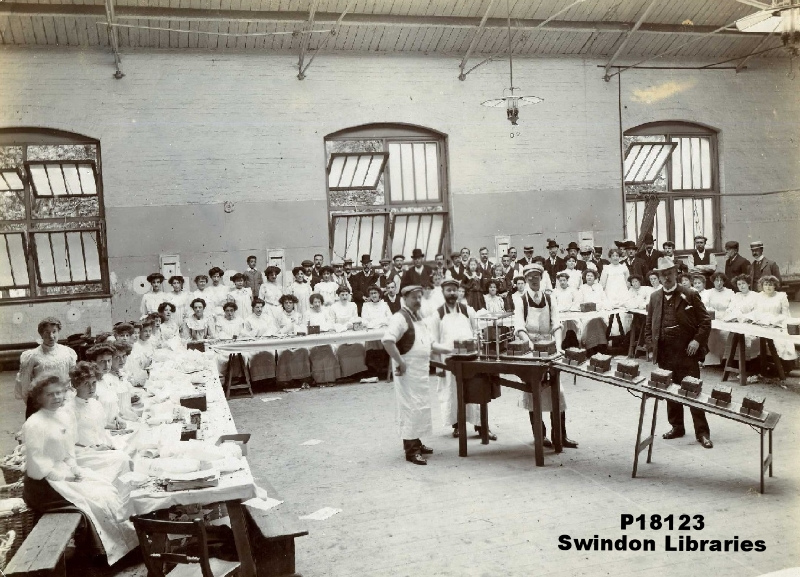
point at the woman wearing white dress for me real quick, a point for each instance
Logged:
(742, 304)
(591, 291)
(170, 326)
(592, 331)
(638, 294)
(289, 319)
(179, 297)
(326, 287)
(270, 292)
(564, 297)
(614, 280)
(260, 323)
(228, 327)
(54, 481)
(772, 309)
(155, 297)
(343, 312)
(216, 292)
(240, 294)
(375, 312)
(575, 276)
(198, 327)
(301, 289)
(94, 445)
(318, 315)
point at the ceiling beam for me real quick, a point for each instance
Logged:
(304, 41)
(112, 34)
(353, 19)
(474, 41)
(627, 38)
(331, 33)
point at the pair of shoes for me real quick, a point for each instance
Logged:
(492, 436)
(705, 441)
(455, 432)
(547, 443)
(425, 450)
(568, 443)
(673, 433)
(416, 459)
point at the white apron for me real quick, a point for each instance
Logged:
(538, 323)
(454, 327)
(412, 390)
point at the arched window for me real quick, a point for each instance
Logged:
(678, 162)
(387, 191)
(52, 222)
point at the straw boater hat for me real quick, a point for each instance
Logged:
(756, 244)
(532, 268)
(586, 248)
(664, 264)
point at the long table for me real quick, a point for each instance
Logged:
(297, 341)
(765, 423)
(233, 487)
(766, 336)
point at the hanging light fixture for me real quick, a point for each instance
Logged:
(783, 18)
(510, 101)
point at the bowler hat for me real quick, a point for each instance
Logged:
(365, 259)
(648, 238)
(664, 264)
(551, 243)
(417, 253)
(573, 246)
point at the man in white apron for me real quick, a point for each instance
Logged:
(537, 319)
(409, 342)
(454, 321)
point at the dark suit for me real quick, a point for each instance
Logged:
(360, 282)
(253, 280)
(734, 267)
(412, 277)
(395, 305)
(554, 267)
(652, 260)
(669, 345)
(637, 266)
(316, 277)
(457, 272)
(486, 271)
(763, 268)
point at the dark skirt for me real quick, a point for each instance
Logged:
(40, 496)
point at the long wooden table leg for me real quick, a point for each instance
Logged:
(742, 361)
(239, 528)
(648, 442)
(770, 453)
(762, 356)
(634, 335)
(761, 462)
(652, 429)
(776, 359)
(534, 383)
(462, 411)
(229, 375)
(484, 424)
(555, 403)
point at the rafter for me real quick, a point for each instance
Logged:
(474, 42)
(333, 31)
(306, 39)
(112, 34)
(627, 39)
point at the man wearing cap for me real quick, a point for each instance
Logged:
(676, 331)
(649, 254)
(339, 277)
(362, 280)
(525, 260)
(439, 267)
(553, 264)
(385, 275)
(761, 266)
(252, 276)
(536, 318)
(456, 269)
(669, 253)
(155, 297)
(309, 272)
(419, 274)
(409, 343)
(701, 259)
(586, 254)
(455, 321)
(735, 264)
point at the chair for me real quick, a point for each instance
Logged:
(153, 541)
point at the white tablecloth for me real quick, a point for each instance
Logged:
(296, 342)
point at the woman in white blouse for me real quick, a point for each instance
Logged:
(742, 304)
(271, 292)
(260, 323)
(151, 300)
(717, 299)
(53, 478)
(198, 326)
(772, 309)
(179, 297)
(289, 319)
(318, 315)
(343, 312)
(375, 312)
(591, 291)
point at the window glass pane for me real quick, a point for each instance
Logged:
(686, 163)
(705, 163)
(87, 179)
(362, 166)
(339, 237)
(40, 180)
(76, 256)
(395, 172)
(358, 234)
(420, 178)
(432, 170)
(708, 220)
(55, 207)
(56, 178)
(435, 238)
(677, 175)
(410, 242)
(72, 181)
(634, 212)
(348, 170)
(44, 257)
(335, 174)
(13, 270)
(399, 234)
(696, 164)
(407, 171)
(91, 251)
(378, 234)
(423, 234)
(12, 205)
(62, 152)
(60, 256)
(10, 180)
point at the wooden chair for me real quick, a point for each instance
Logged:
(153, 541)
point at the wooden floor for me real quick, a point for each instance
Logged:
(495, 513)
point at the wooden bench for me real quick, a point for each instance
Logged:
(42, 552)
(272, 536)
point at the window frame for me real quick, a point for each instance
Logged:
(679, 129)
(25, 137)
(390, 133)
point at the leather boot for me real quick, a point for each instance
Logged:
(545, 441)
(566, 442)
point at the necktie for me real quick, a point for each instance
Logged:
(537, 298)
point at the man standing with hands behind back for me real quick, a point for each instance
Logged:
(409, 342)
(677, 330)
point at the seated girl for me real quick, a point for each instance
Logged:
(772, 309)
(170, 327)
(375, 312)
(494, 302)
(54, 481)
(575, 276)
(289, 320)
(499, 277)
(742, 304)
(591, 291)
(685, 280)
(638, 294)
(699, 285)
(318, 315)
(655, 282)
(94, 443)
(343, 312)
(260, 323)
(564, 297)
(229, 325)
(107, 391)
(142, 352)
(198, 327)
